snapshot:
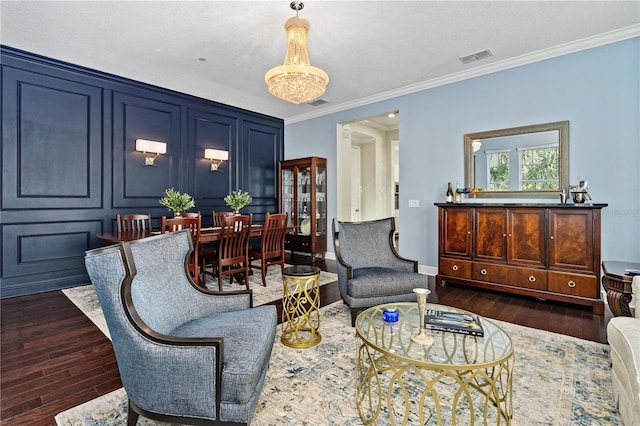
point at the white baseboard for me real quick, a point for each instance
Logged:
(428, 270)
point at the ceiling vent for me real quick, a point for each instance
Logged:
(317, 102)
(476, 56)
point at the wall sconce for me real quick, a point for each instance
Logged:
(145, 146)
(216, 154)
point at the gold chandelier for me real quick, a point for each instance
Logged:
(297, 80)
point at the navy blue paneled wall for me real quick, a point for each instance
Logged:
(69, 163)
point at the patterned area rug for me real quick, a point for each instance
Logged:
(558, 380)
(85, 298)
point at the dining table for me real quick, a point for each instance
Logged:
(207, 235)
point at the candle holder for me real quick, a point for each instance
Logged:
(422, 337)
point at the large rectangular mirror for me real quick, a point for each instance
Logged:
(519, 162)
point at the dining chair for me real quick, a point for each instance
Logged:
(271, 250)
(232, 256)
(218, 218)
(133, 222)
(193, 224)
(209, 250)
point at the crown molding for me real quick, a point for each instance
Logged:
(540, 55)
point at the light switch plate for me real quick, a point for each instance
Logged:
(414, 203)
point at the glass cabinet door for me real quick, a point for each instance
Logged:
(287, 194)
(321, 201)
(304, 201)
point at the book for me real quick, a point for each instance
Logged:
(453, 322)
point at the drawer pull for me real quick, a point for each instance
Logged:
(532, 279)
(504, 235)
(571, 284)
(483, 271)
(551, 237)
(454, 267)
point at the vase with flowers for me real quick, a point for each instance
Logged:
(177, 202)
(237, 200)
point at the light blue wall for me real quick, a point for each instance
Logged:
(597, 90)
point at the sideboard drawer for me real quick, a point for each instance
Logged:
(573, 284)
(455, 268)
(490, 272)
(529, 278)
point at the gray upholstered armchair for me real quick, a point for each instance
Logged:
(185, 354)
(370, 270)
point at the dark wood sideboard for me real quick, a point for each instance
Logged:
(549, 251)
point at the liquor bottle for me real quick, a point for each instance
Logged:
(457, 196)
(449, 194)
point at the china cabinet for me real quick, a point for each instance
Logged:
(303, 194)
(549, 251)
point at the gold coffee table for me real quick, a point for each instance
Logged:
(300, 306)
(458, 379)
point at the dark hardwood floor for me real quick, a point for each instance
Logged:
(54, 358)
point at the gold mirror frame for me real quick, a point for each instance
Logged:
(563, 152)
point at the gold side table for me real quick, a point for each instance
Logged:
(300, 306)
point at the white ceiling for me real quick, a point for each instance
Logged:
(372, 50)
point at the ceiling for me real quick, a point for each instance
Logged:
(372, 50)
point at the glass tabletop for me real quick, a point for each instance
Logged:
(448, 350)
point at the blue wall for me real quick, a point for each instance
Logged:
(597, 90)
(69, 164)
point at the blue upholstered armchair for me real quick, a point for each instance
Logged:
(370, 270)
(185, 354)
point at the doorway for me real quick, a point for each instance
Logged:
(368, 168)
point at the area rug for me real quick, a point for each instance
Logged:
(558, 380)
(85, 298)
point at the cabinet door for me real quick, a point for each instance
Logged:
(304, 207)
(320, 206)
(455, 232)
(571, 239)
(287, 193)
(491, 234)
(526, 237)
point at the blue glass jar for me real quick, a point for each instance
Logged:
(390, 314)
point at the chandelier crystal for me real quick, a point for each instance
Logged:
(296, 81)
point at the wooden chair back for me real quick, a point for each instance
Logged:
(275, 229)
(218, 218)
(271, 251)
(133, 222)
(233, 248)
(193, 224)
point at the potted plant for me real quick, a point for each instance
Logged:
(237, 200)
(177, 202)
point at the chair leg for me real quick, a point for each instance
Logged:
(132, 416)
(354, 315)
(263, 270)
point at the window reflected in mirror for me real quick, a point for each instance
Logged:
(529, 161)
